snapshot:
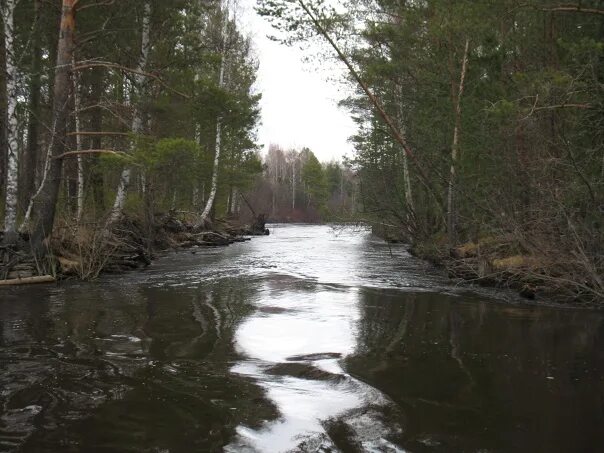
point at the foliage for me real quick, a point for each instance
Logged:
(180, 100)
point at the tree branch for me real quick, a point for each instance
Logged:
(570, 8)
(90, 151)
(81, 67)
(90, 5)
(71, 134)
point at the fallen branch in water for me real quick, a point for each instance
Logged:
(28, 280)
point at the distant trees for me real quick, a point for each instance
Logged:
(296, 187)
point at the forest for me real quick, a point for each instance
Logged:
(479, 128)
(203, 285)
(121, 110)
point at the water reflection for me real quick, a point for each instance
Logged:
(308, 340)
(292, 348)
(123, 367)
(471, 375)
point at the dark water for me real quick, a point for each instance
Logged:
(308, 340)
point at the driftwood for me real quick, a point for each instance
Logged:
(28, 280)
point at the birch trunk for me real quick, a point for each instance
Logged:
(43, 205)
(78, 129)
(208, 207)
(234, 200)
(137, 120)
(12, 132)
(451, 209)
(407, 180)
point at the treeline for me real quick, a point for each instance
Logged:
(296, 187)
(127, 107)
(479, 123)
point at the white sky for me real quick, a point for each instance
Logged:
(299, 103)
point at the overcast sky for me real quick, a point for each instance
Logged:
(299, 103)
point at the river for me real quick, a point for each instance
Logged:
(312, 339)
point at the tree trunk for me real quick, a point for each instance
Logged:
(406, 178)
(451, 208)
(138, 118)
(293, 186)
(3, 105)
(30, 157)
(43, 206)
(12, 132)
(206, 212)
(96, 142)
(78, 137)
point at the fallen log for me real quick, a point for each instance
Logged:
(28, 280)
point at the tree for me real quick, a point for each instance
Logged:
(43, 204)
(12, 176)
(224, 12)
(314, 181)
(138, 119)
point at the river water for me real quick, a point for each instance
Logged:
(313, 339)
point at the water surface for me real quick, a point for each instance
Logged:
(312, 339)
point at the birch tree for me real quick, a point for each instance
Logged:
(12, 126)
(217, 148)
(138, 120)
(78, 137)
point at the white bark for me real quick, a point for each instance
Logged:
(406, 179)
(26, 220)
(78, 129)
(208, 207)
(234, 199)
(451, 211)
(138, 119)
(12, 133)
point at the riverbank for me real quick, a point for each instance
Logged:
(87, 250)
(501, 262)
(533, 270)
